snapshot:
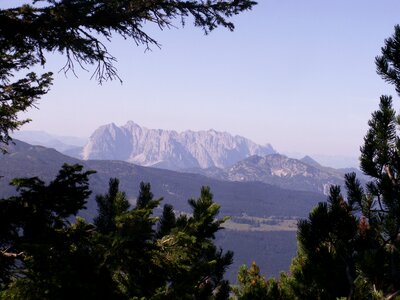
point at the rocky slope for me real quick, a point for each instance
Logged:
(276, 169)
(169, 149)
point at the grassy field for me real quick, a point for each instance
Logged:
(250, 223)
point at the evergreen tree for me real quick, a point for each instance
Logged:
(179, 261)
(388, 64)
(349, 247)
(327, 241)
(358, 239)
(167, 221)
(43, 255)
(37, 222)
(110, 206)
(196, 267)
(46, 254)
(252, 285)
(145, 195)
(133, 248)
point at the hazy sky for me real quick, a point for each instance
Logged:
(297, 74)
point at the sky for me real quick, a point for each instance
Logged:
(299, 75)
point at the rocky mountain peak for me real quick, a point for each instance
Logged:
(310, 161)
(281, 170)
(170, 149)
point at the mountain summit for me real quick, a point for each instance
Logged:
(169, 149)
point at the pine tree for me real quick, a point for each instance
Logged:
(110, 206)
(44, 255)
(177, 261)
(49, 253)
(167, 221)
(197, 267)
(252, 285)
(349, 247)
(359, 243)
(327, 241)
(133, 248)
(145, 195)
(358, 239)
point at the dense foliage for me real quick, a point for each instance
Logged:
(127, 253)
(357, 237)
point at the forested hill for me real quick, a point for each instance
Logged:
(253, 198)
(252, 206)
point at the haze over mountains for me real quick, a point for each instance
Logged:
(263, 215)
(169, 149)
(25, 160)
(218, 155)
(42, 138)
(73, 146)
(262, 191)
(279, 170)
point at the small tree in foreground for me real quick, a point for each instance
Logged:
(357, 238)
(349, 247)
(252, 285)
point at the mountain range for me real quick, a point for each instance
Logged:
(42, 138)
(218, 155)
(169, 149)
(25, 160)
(304, 175)
(261, 214)
(264, 192)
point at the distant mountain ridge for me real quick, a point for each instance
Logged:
(24, 160)
(169, 149)
(42, 138)
(240, 200)
(276, 169)
(217, 155)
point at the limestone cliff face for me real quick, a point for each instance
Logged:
(169, 149)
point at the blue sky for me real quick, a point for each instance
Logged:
(297, 74)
